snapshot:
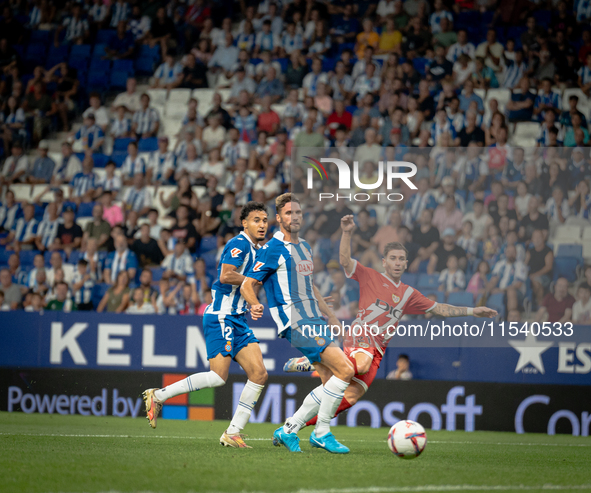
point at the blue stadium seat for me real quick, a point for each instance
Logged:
(104, 36)
(121, 144)
(145, 65)
(98, 292)
(410, 279)
(27, 257)
(78, 63)
(461, 299)
(100, 160)
(157, 273)
(462, 20)
(118, 80)
(118, 158)
(566, 267)
(98, 81)
(148, 145)
(420, 64)
(57, 54)
(4, 255)
(573, 251)
(123, 66)
(428, 281)
(543, 18)
(80, 51)
(98, 65)
(38, 36)
(328, 64)
(283, 62)
(85, 209)
(209, 259)
(208, 244)
(99, 51)
(497, 302)
(75, 256)
(150, 52)
(439, 294)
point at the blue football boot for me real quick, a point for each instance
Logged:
(290, 440)
(329, 443)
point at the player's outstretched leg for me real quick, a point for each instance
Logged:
(334, 391)
(287, 434)
(250, 359)
(154, 398)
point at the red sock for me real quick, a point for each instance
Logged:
(354, 361)
(342, 406)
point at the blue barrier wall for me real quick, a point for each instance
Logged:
(176, 343)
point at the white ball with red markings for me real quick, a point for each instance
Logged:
(407, 439)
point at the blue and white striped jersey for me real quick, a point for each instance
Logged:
(240, 252)
(8, 215)
(120, 11)
(84, 294)
(90, 135)
(452, 280)
(585, 74)
(117, 262)
(136, 199)
(25, 230)
(514, 73)
(132, 167)
(508, 273)
(182, 266)
(167, 73)
(82, 183)
(47, 230)
(145, 120)
(286, 271)
(160, 164)
(435, 20)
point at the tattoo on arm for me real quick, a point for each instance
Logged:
(450, 310)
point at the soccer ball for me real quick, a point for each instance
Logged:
(407, 439)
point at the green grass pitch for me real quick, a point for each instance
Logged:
(53, 453)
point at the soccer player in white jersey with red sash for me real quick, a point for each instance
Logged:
(383, 300)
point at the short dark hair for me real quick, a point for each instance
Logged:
(584, 286)
(394, 245)
(403, 356)
(83, 262)
(252, 207)
(283, 200)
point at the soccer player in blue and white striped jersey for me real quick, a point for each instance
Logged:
(284, 266)
(226, 331)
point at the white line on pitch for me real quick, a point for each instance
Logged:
(174, 437)
(451, 487)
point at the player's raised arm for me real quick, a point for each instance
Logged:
(445, 310)
(248, 291)
(347, 226)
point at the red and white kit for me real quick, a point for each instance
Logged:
(382, 303)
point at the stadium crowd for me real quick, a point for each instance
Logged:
(489, 99)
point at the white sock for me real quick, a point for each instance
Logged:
(248, 399)
(334, 391)
(306, 411)
(197, 381)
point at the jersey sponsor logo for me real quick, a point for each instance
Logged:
(257, 266)
(305, 267)
(395, 298)
(235, 252)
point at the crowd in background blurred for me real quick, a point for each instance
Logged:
(366, 81)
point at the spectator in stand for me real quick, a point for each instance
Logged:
(42, 169)
(162, 32)
(521, 106)
(23, 233)
(133, 165)
(452, 279)
(270, 87)
(98, 228)
(11, 293)
(582, 307)
(146, 120)
(540, 262)
(121, 46)
(130, 99)
(426, 236)
(9, 211)
(138, 198)
(146, 248)
(116, 298)
(82, 286)
(139, 305)
(84, 185)
(194, 74)
(101, 115)
(89, 136)
(69, 233)
(121, 260)
(447, 247)
(40, 108)
(509, 277)
(532, 221)
(15, 167)
(402, 371)
(169, 74)
(448, 216)
(76, 28)
(69, 166)
(178, 264)
(112, 212)
(557, 306)
(62, 301)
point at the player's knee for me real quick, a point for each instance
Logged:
(260, 376)
(364, 367)
(216, 380)
(347, 371)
